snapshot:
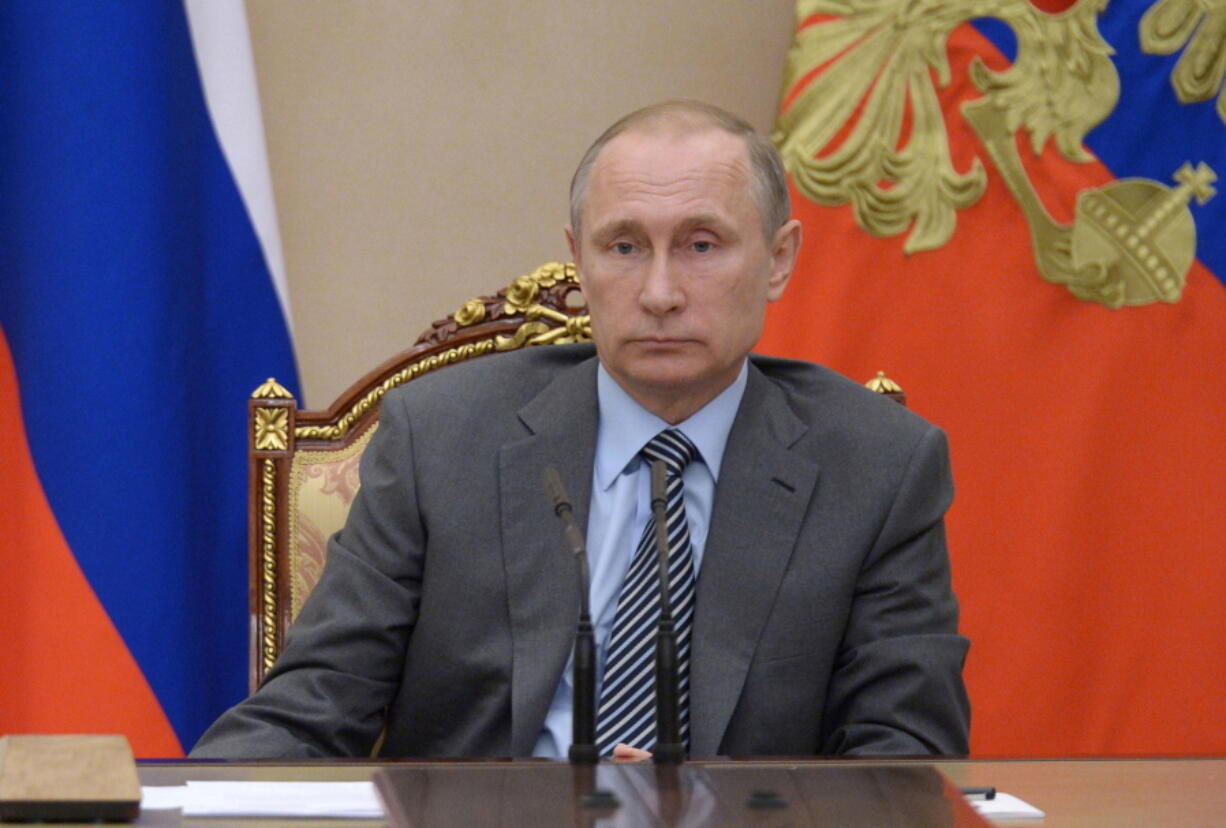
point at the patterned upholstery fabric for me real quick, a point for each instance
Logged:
(322, 488)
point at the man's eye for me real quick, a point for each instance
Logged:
(623, 248)
(702, 246)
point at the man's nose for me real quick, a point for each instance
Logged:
(661, 293)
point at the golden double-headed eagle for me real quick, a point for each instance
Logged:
(862, 65)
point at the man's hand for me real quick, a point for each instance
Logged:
(624, 753)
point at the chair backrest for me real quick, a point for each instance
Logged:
(304, 464)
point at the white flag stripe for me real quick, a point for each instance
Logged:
(222, 44)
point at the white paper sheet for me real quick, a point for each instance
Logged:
(162, 797)
(347, 800)
(1006, 806)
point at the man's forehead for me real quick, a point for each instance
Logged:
(706, 170)
(694, 146)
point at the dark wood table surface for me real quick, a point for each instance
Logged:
(1072, 792)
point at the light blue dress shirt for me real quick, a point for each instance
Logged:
(621, 505)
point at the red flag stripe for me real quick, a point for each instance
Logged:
(63, 666)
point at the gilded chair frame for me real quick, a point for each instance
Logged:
(540, 308)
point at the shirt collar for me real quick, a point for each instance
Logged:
(625, 426)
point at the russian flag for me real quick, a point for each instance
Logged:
(142, 299)
(1088, 444)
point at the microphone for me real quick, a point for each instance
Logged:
(583, 699)
(669, 749)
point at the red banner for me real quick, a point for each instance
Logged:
(1087, 442)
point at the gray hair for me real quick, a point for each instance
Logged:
(768, 180)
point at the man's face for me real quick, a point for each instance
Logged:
(674, 265)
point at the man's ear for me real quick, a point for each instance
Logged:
(572, 243)
(784, 248)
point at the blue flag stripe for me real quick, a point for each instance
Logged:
(140, 315)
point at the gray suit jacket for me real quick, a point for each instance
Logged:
(824, 619)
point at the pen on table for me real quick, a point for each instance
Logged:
(979, 793)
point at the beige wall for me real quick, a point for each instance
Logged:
(421, 149)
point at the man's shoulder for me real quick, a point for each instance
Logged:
(827, 400)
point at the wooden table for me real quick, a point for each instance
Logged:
(1107, 792)
(1073, 792)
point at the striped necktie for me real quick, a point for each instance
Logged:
(627, 700)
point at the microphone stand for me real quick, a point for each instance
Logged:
(583, 699)
(669, 749)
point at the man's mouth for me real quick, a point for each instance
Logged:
(661, 341)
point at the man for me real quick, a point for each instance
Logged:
(811, 580)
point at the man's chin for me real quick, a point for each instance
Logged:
(661, 375)
(665, 378)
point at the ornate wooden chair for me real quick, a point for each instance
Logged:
(304, 464)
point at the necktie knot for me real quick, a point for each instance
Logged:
(673, 447)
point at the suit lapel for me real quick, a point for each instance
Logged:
(762, 497)
(542, 579)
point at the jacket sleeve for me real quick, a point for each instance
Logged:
(897, 686)
(344, 656)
